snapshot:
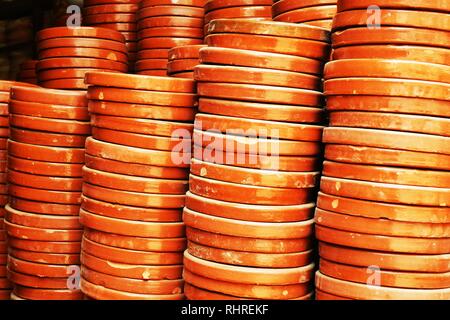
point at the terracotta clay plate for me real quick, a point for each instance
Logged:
(40, 269)
(208, 73)
(46, 258)
(111, 8)
(142, 140)
(49, 124)
(119, 26)
(61, 197)
(319, 12)
(396, 35)
(426, 5)
(46, 246)
(54, 63)
(404, 52)
(49, 96)
(130, 227)
(170, 10)
(182, 32)
(134, 155)
(189, 3)
(260, 93)
(45, 153)
(261, 111)
(248, 244)
(135, 169)
(35, 283)
(399, 122)
(384, 68)
(166, 42)
(240, 228)
(43, 207)
(152, 54)
(82, 43)
(29, 233)
(170, 21)
(239, 12)
(181, 65)
(147, 200)
(51, 111)
(248, 212)
(173, 99)
(110, 18)
(45, 168)
(81, 32)
(44, 294)
(136, 243)
(140, 82)
(381, 226)
(151, 64)
(60, 74)
(155, 72)
(42, 221)
(139, 272)
(46, 138)
(271, 129)
(400, 18)
(185, 52)
(382, 243)
(386, 192)
(387, 139)
(252, 145)
(381, 210)
(250, 259)
(274, 44)
(266, 60)
(130, 256)
(254, 177)
(103, 293)
(370, 292)
(386, 157)
(386, 261)
(281, 6)
(247, 194)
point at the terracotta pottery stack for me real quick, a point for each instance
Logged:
(237, 9)
(317, 13)
(48, 129)
(134, 186)
(249, 211)
(66, 54)
(383, 213)
(28, 72)
(183, 60)
(164, 24)
(5, 86)
(118, 15)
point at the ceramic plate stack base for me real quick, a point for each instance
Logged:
(134, 186)
(66, 54)
(116, 15)
(237, 9)
(5, 86)
(317, 13)
(383, 213)
(183, 60)
(27, 72)
(48, 129)
(165, 24)
(256, 159)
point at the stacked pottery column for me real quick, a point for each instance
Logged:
(249, 209)
(164, 24)
(117, 15)
(66, 54)
(134, 186)
(45, 158)
(383, 216)
(5, 86)
(317, 13)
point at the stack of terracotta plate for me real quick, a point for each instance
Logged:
(48, 129)
(164, 24)
(183, 60)
(119, 15)
(66, 54)
(5, 86)
(384, 208)
(318, 13)
(135, 181)
(28, 72)
(232, 9)
(256, 160)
